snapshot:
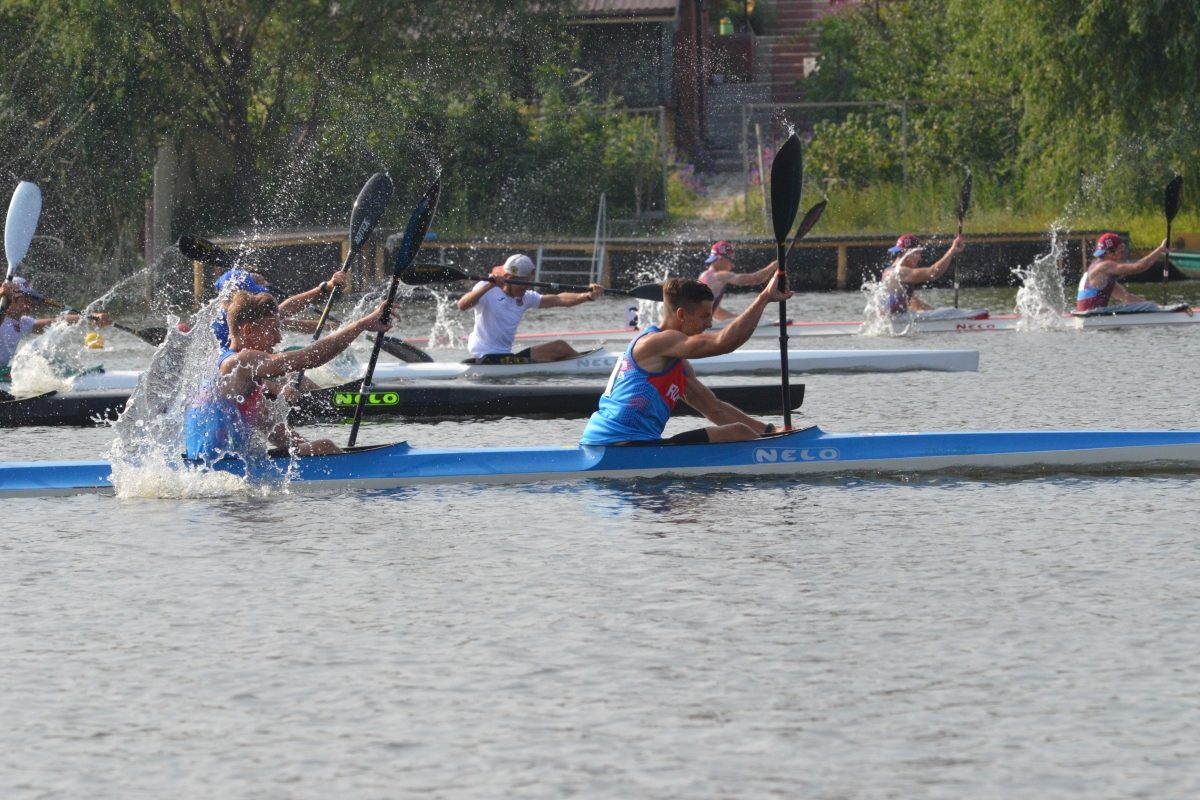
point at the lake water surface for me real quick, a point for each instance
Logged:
(934, 636)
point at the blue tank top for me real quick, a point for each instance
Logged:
(214, 425)
(220, 328)
(637, 404)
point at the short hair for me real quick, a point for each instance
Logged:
(248, 307)
(686, 293)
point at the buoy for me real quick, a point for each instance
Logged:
(93, 341)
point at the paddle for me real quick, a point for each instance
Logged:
(1170, 208)
(787, 177)
(23, 212)
(368, 208)
(151, 336)
(406, 253)
(206, 252)
(964, 203)
(422, 274)
(806, 225)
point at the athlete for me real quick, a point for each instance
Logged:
(233, 407)
(17, 322)
(654, 374)
(720, 275)
(499, 304)
(1098, 284)
(255, 283)
(906, 273)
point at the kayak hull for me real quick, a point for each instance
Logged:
(899, 325)
(437, 400)
(601, 361)
(805, 453)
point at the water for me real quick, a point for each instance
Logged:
(920, 636)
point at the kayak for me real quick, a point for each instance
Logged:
(968, 321)
(803, 453)
(95, 380)
(1186, 262)
(440, 400)
(601, 362)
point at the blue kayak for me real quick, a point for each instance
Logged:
(806, 452)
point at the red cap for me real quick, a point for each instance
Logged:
(721, 249)
(906, 242)
(1106, 244)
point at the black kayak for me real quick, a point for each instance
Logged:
(425, 401)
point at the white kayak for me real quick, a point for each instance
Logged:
(964, 321)
(601, 362)
(98, 381)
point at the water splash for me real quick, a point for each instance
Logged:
(449, 328)
(1041, 298)
(51, 361)
(150, 433)
(876, 319)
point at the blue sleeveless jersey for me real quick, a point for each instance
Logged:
(637, 404)
(215, 425)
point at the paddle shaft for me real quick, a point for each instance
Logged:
(366, 381)
(787, 180)
(145, 334)
(1167, 263)
(4, 300)
(785, 384)
(954, 258)
(560, 287)
(1170, 209)
(406, 253)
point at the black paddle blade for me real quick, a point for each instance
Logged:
(404, 351)
(206, 252)
(648, 291)
(151, 336)
(1172, 197)
(424, 274)
(414, 234)
(806, 225)
(787, 175)
(964, 197)
(810, 219)
(368, 208)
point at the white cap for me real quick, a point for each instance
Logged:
(519, 265)
(22, 286)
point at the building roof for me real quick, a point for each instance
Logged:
(612, 10)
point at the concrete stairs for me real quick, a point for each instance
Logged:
(723, 121)
(781, 59)
(790, 46)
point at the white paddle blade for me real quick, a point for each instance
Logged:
(23, 212)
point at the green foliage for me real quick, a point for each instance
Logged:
(1082, 105)
(280, 108)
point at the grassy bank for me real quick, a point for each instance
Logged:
(932, 207)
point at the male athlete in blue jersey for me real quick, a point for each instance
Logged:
(654, 374)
